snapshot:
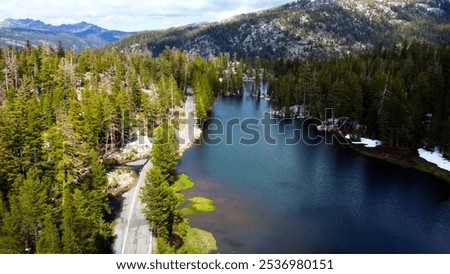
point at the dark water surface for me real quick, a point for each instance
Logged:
(311, 199)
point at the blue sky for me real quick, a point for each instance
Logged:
(131, 15)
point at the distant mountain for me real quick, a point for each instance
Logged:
(16, 33)
(307, 28)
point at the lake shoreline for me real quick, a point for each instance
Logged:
(193, 240)
(312, 197)
(403, 157)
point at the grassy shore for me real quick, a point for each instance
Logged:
(199, 205)
(405, 157)
(195, 241)
(183, 183)
(198, 241)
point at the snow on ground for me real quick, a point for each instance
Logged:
(139, 149)
(368, 142)
(434, 157)
(365, 141)
(296, 110)
(120, 179)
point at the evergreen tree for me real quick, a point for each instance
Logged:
(69, 239)
(202, 81)
(32, 205)
(61, 52)
(161, 204)
(49, 240)
(11, 241)
(165, 151)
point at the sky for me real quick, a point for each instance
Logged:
(129, 15)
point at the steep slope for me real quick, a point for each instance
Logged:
(306, 28)
(16, 33)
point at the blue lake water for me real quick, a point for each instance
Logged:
(310, 199)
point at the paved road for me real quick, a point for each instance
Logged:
(187, 135)
(133, 234)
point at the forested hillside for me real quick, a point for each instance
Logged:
(61, 116)
(400, 95)
(306, 28)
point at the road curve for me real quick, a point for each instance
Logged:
(133, 234)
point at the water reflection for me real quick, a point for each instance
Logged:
(312, 199)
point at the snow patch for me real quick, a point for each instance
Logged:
(367, 142)
(139, 149)
(434, 157)
(297, 111)
(120, 179)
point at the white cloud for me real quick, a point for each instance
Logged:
(131, 15)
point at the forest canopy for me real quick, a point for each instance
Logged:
(62, 114)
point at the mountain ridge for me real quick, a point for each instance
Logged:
(16, 33)
(306, 28)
